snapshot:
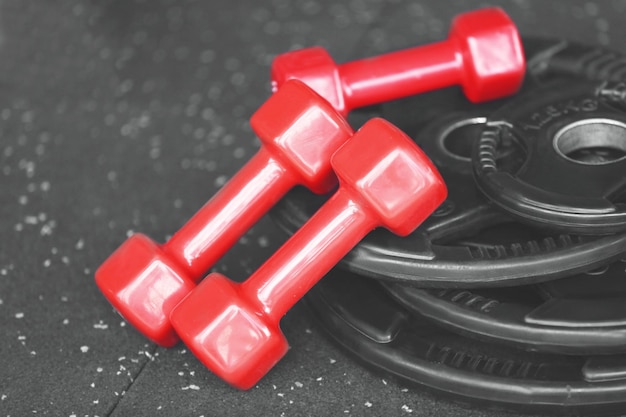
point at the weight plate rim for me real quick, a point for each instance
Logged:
(472, 324)
(559, 397)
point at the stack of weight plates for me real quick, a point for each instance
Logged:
(513, 293)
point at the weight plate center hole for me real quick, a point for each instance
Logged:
(592, 141)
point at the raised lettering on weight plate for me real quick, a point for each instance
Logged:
(553, 111)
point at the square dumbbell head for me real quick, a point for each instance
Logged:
(315, 67)
(240, 345)
(141, 281)
(387, 168)
(491, 49)
(305, 130)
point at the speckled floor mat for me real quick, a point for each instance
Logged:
(126, 115)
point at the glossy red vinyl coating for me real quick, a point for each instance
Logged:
(384, 180)
(239, 345)
(141, 283)
(483, 54)
(299, 131)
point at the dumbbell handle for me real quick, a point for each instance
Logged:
(399, 74)
(236, 207)
(309, 254)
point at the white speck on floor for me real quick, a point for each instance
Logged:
(84, 349)
(46, 229)
(30, 219)
(368, 404)
(263, 241)
(19, 315)
(192, 387)
(406, 409)
(239, 153)
(220, 181)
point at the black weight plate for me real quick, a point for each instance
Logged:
(578, 315)
(573, 138)
(358, 314)
(426, 258)
(430, 256)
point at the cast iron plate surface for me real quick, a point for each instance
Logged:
(573, 176)
(358, 314)
(582, 314)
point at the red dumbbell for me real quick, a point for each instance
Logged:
(384, 180)
(483, 53)
(300, 131)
